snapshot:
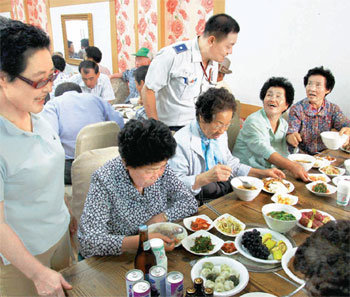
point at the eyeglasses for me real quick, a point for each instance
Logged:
(219, 126)
(41, 83)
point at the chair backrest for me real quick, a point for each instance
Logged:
(233, 129)
(121, 90)
(97, 135)
(82, 169)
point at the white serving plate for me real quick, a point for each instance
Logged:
(337, 179)
(317, 175)
(228, 254)
(275, 236)
(217, 261)
(310, 229)
(320, 162)
(291, 187)
(167, 227)
(332, 189)
(187, 222)
(285, 261)
(341, 170)
(258, 294)
(294, 199)
(227, 215)
(188, 242)
(123, 105)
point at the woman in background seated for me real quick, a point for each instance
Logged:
(136, 188)
(202, 160)
(261, 143)
(324, 259)
(315, 114)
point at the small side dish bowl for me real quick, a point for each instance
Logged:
(134, 100)
(332, 140)
(330, 189)
(304, 160)
(279, 225)
(247, 194)
(230, 244)
(284, 198)
(188, 222)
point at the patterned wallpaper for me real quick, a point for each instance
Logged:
(183, 20)
(179, 25)
(36, 12)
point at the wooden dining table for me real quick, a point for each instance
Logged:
(105, 276)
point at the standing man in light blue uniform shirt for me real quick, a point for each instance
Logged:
(182, 71)
(71, 111)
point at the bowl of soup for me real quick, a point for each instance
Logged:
(279, 217)
(304, 160)
(332, 140)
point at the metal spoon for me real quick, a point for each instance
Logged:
(246, 184)
(177, 230)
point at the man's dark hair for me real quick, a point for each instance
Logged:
(18, 42)
(140, 73)
(282, 83)
(220, 25)
(213, 101)
(86, 65)
(145, 142)
(84, 42)
(69, 43)
(59, 62)
(326, 73)
(66, 87)
(324, 259)
(94, 53)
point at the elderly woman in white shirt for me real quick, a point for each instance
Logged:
(203, 160)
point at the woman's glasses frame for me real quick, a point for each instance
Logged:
(41, 83)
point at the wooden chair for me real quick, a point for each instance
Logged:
(121, 90)
(97, 135)
(233, 129)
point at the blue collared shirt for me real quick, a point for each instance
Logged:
(72, 111)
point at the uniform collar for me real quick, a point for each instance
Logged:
(196, 54)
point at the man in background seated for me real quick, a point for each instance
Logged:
(224, 68)
(92, 53)
(140, 74)
(92, 81)
(143, 57)
(203, 160)
(70, 111)
(60, 65)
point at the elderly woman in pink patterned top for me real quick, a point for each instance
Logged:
(314, 114)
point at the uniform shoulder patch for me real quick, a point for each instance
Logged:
(180, 48)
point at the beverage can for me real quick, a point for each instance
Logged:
(343, 193)
(141, 289)
(174, 284)
(132, 276)
(157, 246)
(157, 275)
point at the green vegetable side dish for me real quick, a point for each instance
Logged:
(320, 188)
(202, 244)
(282, 216)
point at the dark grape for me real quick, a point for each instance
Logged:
(252, 241)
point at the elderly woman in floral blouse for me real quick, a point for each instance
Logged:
(314, 114)
(134, 189)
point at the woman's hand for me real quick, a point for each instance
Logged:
(273, 172)
(169, 243)
(345, 130)
(294, 139)
(219, 173)
(298, 171)
(159, 218)
(50, 283)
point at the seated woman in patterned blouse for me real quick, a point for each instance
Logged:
(314, 114)
(136, 188)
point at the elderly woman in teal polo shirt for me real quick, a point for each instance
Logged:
(261, 143)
